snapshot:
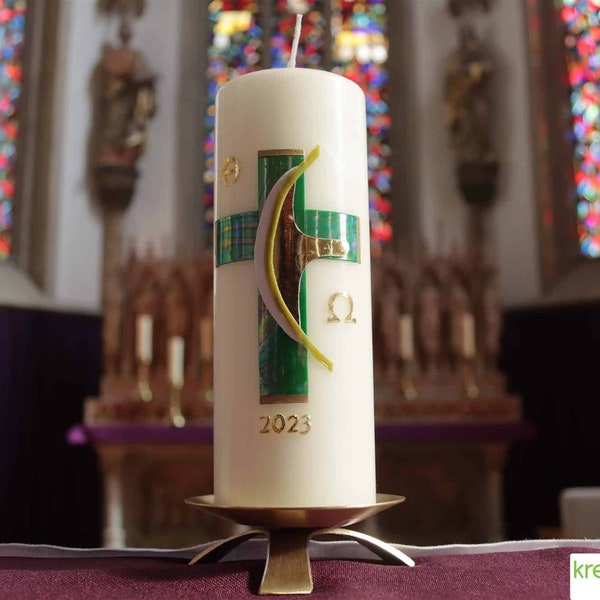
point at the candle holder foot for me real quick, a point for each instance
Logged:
(289, 530)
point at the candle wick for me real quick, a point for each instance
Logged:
(294, 53)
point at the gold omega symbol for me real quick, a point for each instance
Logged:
(333, 317)
(231, 168)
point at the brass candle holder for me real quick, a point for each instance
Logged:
(407, 386)
(470, 383)
(175, 414)
(142, 391)
(288, 531)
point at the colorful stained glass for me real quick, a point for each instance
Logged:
(234, 49)
(312, 37)
(360, 53)
(359, 30)
(12, 37)
(582, 41)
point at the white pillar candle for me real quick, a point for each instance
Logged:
(143, 337)
(405, 331)
(468, 335)
(206, 339)
(277, 444)
(176, 361)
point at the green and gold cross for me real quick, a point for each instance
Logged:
(295, 237)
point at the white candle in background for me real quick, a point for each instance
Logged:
(407, 344)
(206, 339)
(468, 335)
(316, 450)
(143, 337)
(176, 361)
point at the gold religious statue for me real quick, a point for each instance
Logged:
(126, 102)
(467, 100)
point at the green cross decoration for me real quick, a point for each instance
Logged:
(302, 236)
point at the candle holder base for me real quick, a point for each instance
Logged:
(470, 381)
(143, 392)
(176, 417)
(287, 569)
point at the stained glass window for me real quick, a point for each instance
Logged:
(582, 41)
(360, 53)
(12, 35)
(234, 49)
(360, 50)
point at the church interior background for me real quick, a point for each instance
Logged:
(483, 125)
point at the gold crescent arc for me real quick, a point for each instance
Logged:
(269, 263)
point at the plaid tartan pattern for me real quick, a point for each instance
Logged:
(329, 225)
(235, 237)
(236, 233)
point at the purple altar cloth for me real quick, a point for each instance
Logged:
(424, 431)
(80, 435)
(526, 575)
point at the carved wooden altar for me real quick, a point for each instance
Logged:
(441, 373)
(177, 295)
(450, 372)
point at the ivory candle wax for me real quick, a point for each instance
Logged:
(468, 336)
(293, 368)
(406, 335)
(143, 338)
(176, 361)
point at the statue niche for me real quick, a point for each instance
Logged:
(430, 319)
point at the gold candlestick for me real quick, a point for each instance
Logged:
(143, 391)
(175, 414)
(407, 386)
(470, 379)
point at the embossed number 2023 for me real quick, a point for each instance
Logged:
(280, 424)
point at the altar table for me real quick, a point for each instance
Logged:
(516, 570)
(450, 472)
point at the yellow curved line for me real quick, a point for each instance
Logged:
(270, 267)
